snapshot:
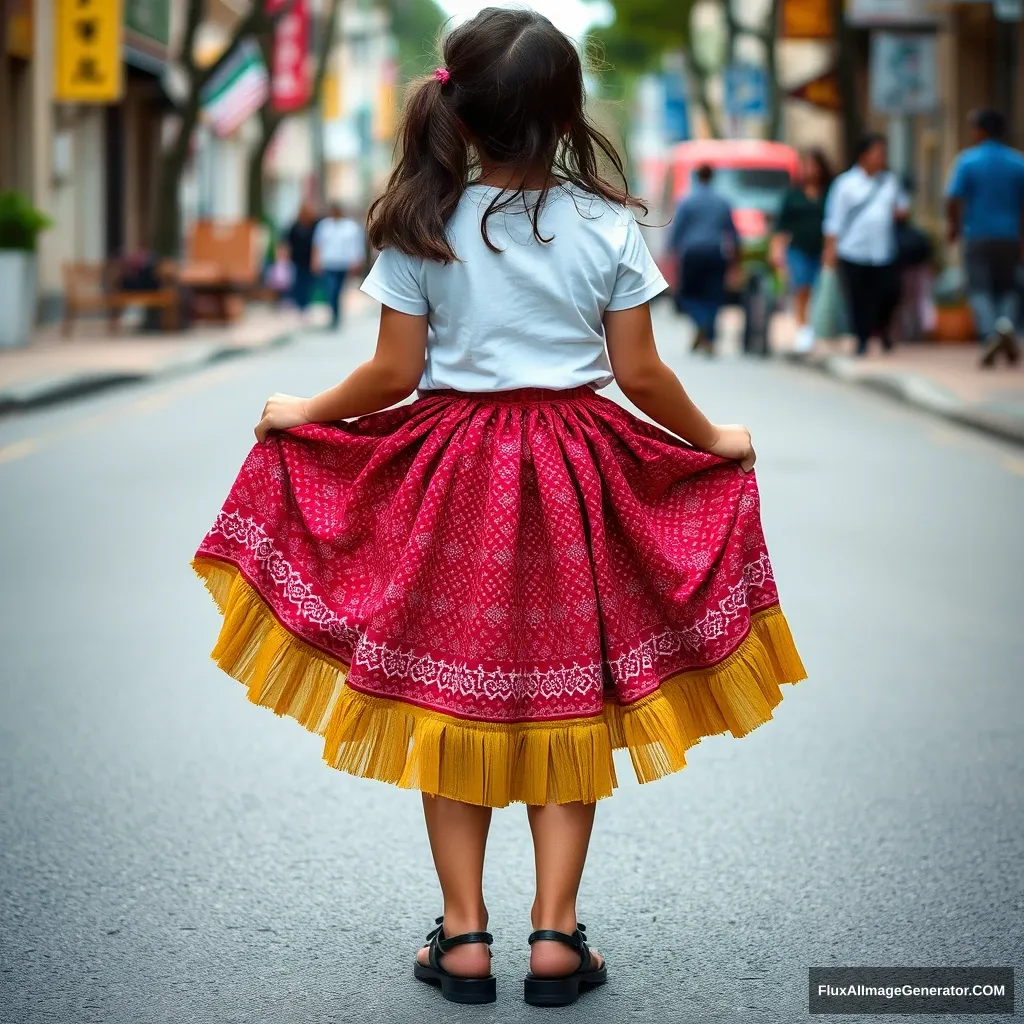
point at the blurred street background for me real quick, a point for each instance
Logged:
(170, 854)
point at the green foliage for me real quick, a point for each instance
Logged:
(645, 28)
(20, 222)
(417, 25)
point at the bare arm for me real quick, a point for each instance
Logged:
(829, 256)
(654, 389)
(389, 377)
(953, 218)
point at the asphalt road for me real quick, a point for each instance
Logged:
(169, 853)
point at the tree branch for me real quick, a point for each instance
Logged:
(188, 46)
(326, 45)
(256, 22)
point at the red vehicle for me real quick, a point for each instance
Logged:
(753, 175)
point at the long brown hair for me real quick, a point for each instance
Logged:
(511, 88)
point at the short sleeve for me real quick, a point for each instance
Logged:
(835, 209)
(902, 201)
(638, 278)
(394, 281)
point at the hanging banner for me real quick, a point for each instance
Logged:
(822, 91)
(236, 91)
(289, 83)
(807, 19)
(87, 58)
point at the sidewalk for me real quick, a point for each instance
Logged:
(53, 368)
(941, 379)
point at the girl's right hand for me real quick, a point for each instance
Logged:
(734, 443)
(280, 413)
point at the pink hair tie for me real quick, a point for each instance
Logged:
(443, 75)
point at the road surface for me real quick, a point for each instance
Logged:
(170, 853)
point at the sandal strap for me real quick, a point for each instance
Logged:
(439, 944)
(576, 942)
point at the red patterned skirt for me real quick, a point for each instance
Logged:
(481, 596)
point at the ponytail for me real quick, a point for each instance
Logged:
(424, 189)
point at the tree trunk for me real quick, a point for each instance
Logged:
(699, 91)
(257, 157)
(846, 72)
(167, 220)
(773, 126)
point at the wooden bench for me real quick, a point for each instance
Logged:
(96, 288)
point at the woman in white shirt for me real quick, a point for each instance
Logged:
(338, 246)
(861, 212)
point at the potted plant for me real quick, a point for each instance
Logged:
(954, 322)
(20, 224)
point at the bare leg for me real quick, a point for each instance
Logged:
(561, 835)
(458, 839)
(801, 298)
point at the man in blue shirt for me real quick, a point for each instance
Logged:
(985, 204)
(705, 241)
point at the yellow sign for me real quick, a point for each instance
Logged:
(330, 97)
(19, 28)
(386, 113)
(822, 91)
(88, 64)
(807, 19)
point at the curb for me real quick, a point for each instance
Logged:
(918, 392)
(40, 392)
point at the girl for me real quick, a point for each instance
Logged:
(798, 242)
(482, 593)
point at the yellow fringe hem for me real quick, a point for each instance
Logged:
(493, 764)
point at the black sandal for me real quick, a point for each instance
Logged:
(454, 988)
(565, 990)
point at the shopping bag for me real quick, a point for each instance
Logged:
(828, 306)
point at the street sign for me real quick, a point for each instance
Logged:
(897, 13)
(746, 91)
(87, 37)
(903, 73)
(807, 19)
(1008, 10)
(676, 113)
(822, 91)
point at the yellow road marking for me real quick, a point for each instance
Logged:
(18, 449)
(150, 403)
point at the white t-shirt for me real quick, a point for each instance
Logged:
(339, 243)
(870, 235)
(529, 316)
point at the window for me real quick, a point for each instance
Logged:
(751, 188)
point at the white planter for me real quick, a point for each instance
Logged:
(17, 297)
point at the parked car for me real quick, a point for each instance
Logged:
(753, 175)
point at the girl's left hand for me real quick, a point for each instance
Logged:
(280, 413)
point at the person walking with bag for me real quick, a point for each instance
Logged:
(985, 205)
(481, 593)
(863, 207)
(798, 241)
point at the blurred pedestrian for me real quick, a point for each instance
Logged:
(338, 247)
(280, 275)
(705, 243)
(798, 241)
(985, 205)
(861, 213)
(300, 250)
(511, 575)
